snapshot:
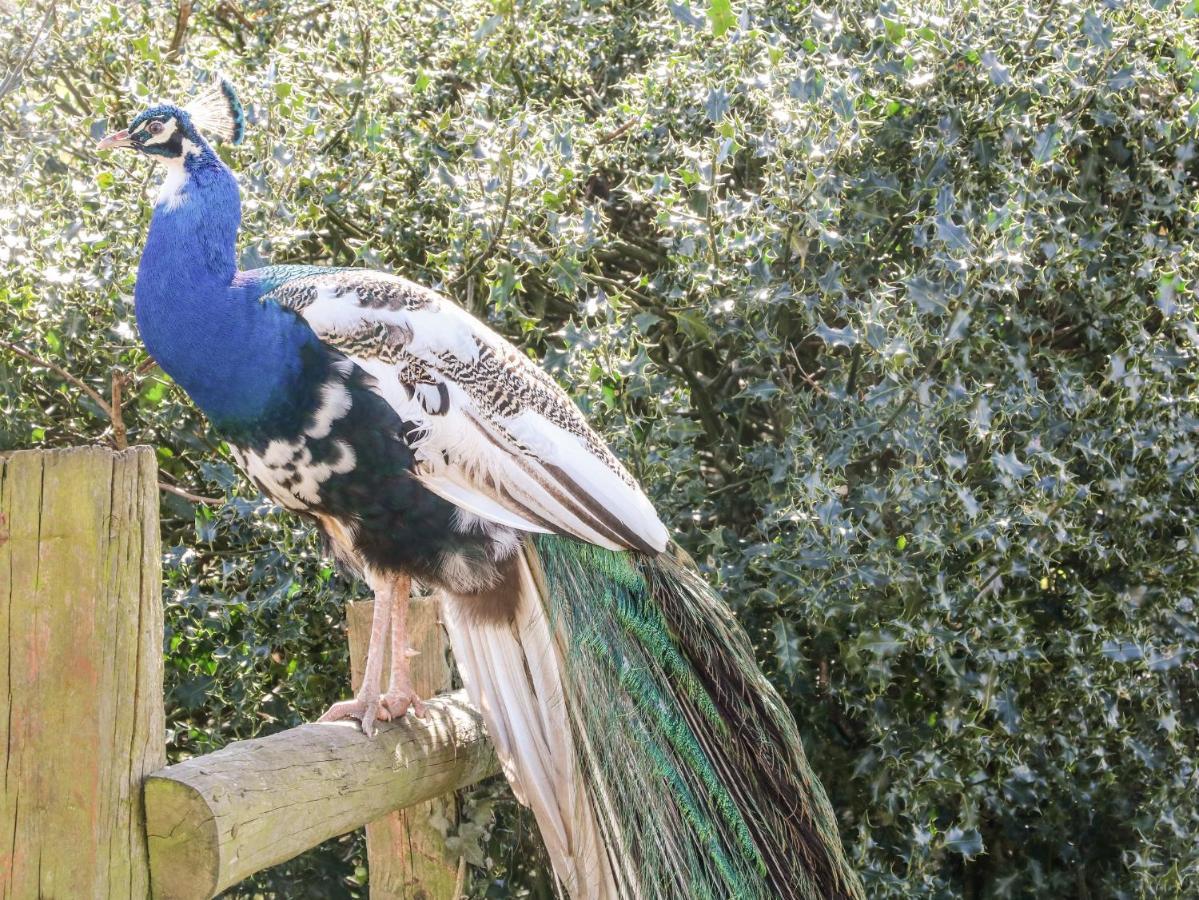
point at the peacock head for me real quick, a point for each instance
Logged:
(171, 133)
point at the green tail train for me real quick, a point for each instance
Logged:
(629, 712)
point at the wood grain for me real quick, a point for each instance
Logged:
(218, 818)
(80, 670)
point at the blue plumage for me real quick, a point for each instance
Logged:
(240, 360)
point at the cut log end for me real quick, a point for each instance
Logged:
(184, 841)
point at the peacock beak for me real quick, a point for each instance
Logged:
(116, 139)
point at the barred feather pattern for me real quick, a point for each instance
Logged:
(697, 780)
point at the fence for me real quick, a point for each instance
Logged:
(89, 808)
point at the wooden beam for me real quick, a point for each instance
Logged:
(406, 854)
(80, 670)
(218, 818)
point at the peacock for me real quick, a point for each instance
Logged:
(622, 697)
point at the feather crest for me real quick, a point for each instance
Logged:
(217, 112)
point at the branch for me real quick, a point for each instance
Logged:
(188, 495)
(499, 231)
(62, 373)
(177, 39)
(1032, 43)
(709, 213)
(617, 132)
(10, 80)
(364, 64)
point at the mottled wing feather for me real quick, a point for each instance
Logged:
(496, 435)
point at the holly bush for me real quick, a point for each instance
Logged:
(890, 306)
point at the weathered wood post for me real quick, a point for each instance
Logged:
(80, 670)
(406, 854)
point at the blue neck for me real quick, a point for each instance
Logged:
(237, 357)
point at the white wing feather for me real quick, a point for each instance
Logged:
(498, 437)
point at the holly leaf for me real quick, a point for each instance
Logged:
(721, 16)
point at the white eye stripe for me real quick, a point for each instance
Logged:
(168, 128)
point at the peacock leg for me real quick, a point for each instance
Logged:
(365, 706)
(400, 696)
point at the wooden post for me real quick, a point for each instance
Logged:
(217, 818)
(406, 854)
(80, 670)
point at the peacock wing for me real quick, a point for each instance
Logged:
(495, 435)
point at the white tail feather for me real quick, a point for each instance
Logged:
(511, 672)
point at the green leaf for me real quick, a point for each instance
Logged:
(968, 842)
(693, 324)
(786, 647)
(721, 16)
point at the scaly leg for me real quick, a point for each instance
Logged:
(400, 695)
(365, 705)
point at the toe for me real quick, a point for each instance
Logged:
(369, 716)
(398, 703)
(365, 710)
(345, 709)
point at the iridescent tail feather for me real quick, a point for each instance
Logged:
(629, 713)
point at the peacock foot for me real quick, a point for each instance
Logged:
(398, 701)
(365, 708)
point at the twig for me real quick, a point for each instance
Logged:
(851, 383)
(231, 9)
(639, 299)
(1028, 48)
(709, 213)
(84, 104)
(811, 380)
(364, 64)
(499, 231)
(617, 132)
(1089, 96)
(177, 39)
(355, 230)
(62, 373)
(188, 495)
(10, 80)
(119, 433)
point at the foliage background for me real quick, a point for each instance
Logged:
(890, 306)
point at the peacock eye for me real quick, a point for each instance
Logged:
(155, 127)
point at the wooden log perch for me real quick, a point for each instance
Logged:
(218, 818)
(80, 670)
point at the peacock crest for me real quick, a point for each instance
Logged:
(217, 113)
